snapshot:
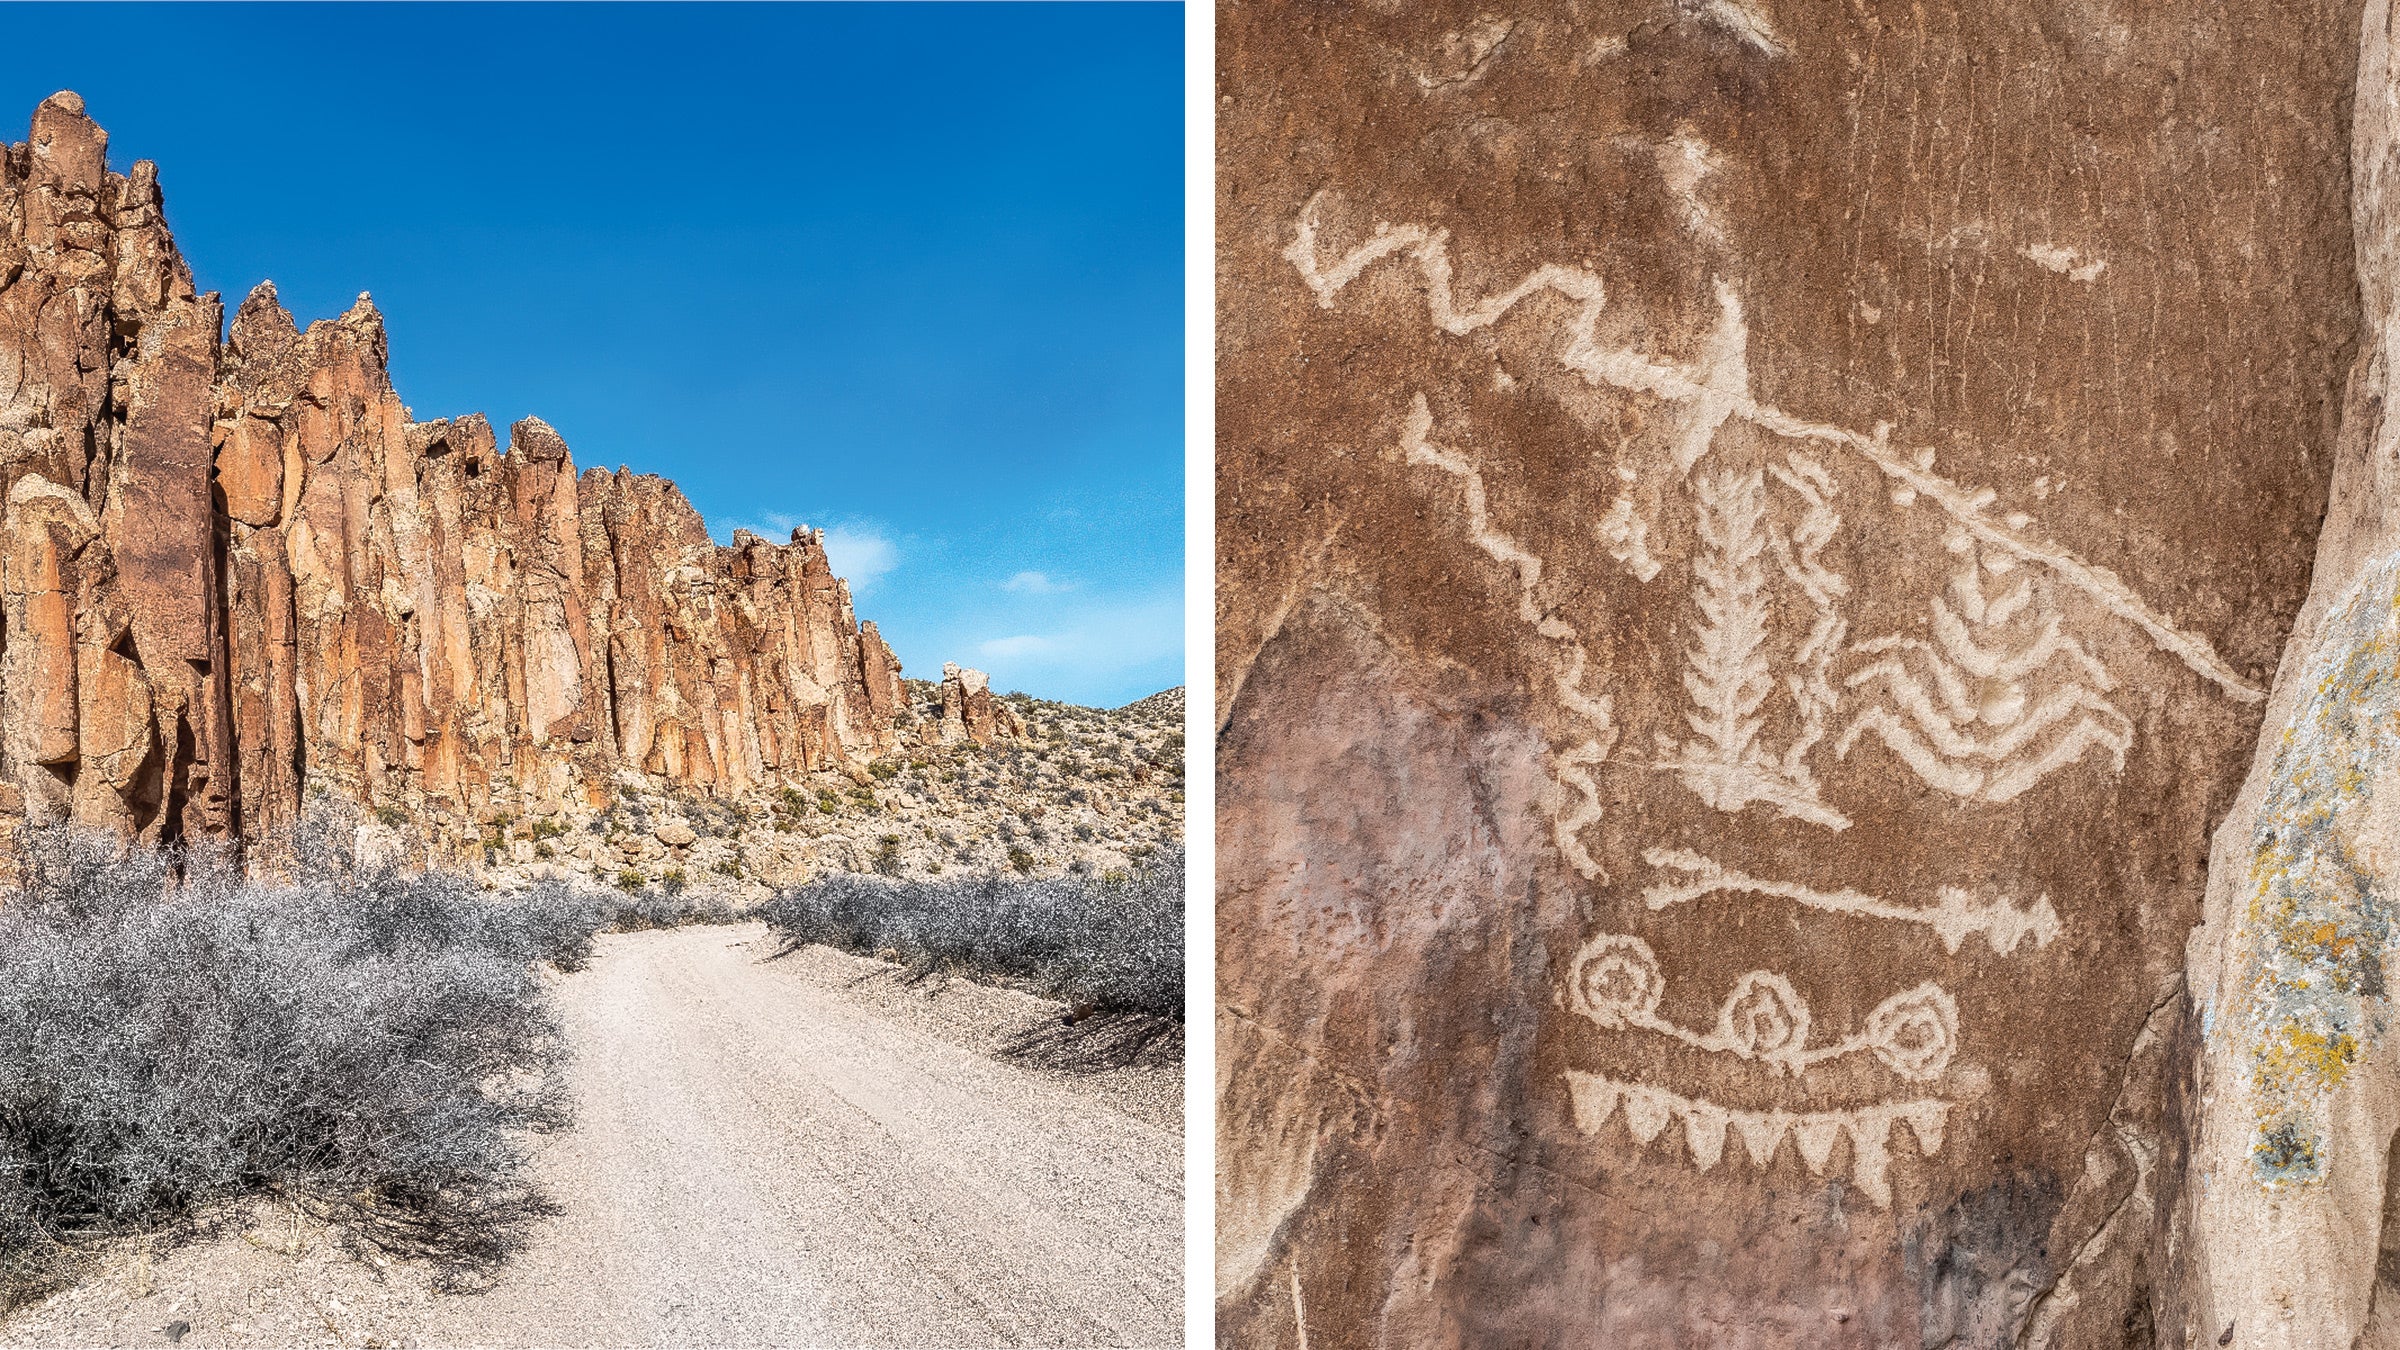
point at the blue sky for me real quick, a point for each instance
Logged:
(910, 273)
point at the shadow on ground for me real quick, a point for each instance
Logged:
(1098, 1042)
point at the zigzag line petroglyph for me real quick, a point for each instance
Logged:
(1955, 915)
(1573, 767)
(1712, 393)
(1649, 1109)
(1615, 982)
(1628, 538)
(1797, 552)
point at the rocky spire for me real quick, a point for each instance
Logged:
(239, 572)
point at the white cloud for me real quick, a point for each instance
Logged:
(1093, 650)
(860, 553)
(1036, 583)
(1022, 645)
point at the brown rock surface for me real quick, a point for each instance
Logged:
(408, 614)
(1754, 538)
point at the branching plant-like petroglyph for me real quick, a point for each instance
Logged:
(1648, 1111)
(1727, 672)
(1955, 915)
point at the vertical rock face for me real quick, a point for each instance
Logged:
(238, 571)
(1754, 540)
(969, 712)
(2291, 1215)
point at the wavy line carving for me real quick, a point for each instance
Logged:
(1574, 766)
(1714, 389)
(1980, 714)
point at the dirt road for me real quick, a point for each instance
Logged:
(761, 1156)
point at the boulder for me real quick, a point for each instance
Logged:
(1754, 542)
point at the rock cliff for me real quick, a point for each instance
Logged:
(1755, 541)
(239, 572)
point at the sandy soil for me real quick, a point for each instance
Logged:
(807, 1151)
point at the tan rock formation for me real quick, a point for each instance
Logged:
(2291, 1218)
(1754, 540)
(239, 571)
(969, 712)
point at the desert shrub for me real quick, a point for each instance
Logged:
(648, 907)
(172, 1033)
(557, 922)
(1115, 944)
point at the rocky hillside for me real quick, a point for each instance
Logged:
(240, 574)
(1064, 788)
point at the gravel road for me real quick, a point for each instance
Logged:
(762, 1156)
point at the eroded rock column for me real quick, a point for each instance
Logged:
(238, 572)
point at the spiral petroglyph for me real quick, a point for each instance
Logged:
(1615, 982)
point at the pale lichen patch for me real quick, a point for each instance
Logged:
(2312, 997)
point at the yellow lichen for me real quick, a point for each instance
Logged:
(2303, 1057)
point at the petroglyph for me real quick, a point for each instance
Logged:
(1797, 552)
(1738, 20)
(1715, 388)
(1615, 982)
(1798, 549)
(1574, 766)
(2039, 699)
(2064, 261)
(1955, 915)
(1628, 538)
(1727, 673)
(1993, 695)
(1649, 1110)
